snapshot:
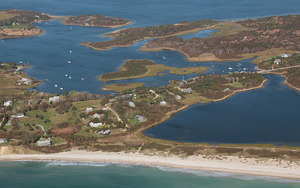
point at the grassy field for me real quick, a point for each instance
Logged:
(156, 69)
(193, 99)
(4, 15)
(236, 84)
(121, 87)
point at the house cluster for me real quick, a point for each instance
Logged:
(106, 132)
(278, 61)
(124, 97)
(24, 81)
(186, 90)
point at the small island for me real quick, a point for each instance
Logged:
(97, 20)
(140, 68)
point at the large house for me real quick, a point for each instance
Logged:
(54, 99)
(96, 124)
(44, 142)
(7, 103)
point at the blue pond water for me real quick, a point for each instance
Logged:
(267, 115)
(200, 34)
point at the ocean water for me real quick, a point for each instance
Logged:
(267, 115)
(65, 175)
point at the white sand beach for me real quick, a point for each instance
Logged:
(231, 164)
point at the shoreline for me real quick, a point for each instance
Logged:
(106, 26)
(290, 85)
(230, 164)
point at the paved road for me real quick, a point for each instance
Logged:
(116, 114)
(272, 70)
(42, 129)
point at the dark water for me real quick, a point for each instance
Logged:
(65, 175)
(268, 115)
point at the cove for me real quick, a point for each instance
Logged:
(267, 115)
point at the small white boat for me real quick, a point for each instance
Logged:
(70, 27)
(61, 88)
(55, 85)
(66, 75)
(230, 68)
(70, 77)
(82, 78)
(69, 62)
(2, 40)
(164, 57)
(70, 51)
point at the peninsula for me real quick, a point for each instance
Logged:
(129, 36)
(18, 23)
(257, 38)
(97, 20)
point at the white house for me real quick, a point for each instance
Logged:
(20, 115)
(89, 110)
(7, 103)
(106, 132)
(96, 124)
(3, 140)
(54, 99)
(96, 116)
(277, 61)
(163, 103)
(186, 90)
(44, 142)
(227, 90)
(178, 97)
(140, 118)
(131, 104)
(285, 55)
(26, 81)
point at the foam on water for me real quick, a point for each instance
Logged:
(227, 174)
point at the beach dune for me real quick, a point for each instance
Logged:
(230, 164)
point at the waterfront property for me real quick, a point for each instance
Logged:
(44, 142)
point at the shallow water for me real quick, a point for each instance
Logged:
(63, 174)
